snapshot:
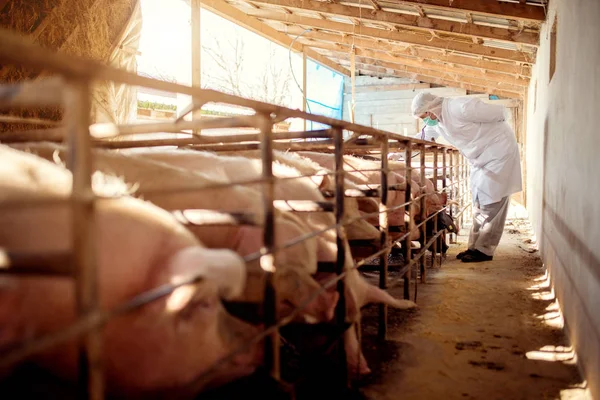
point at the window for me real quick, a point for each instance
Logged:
(553, 50)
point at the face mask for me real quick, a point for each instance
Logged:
(430, 122)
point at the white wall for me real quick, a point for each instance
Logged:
(563, 171)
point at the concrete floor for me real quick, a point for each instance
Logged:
(483, 331)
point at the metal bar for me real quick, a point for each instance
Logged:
(435, 219)
(56, 263)
(46, 92)
(340, 310)
(416, 258)
(197, 217)
(34, 121)
(462, 185)
(442, 240)
(423, 217)
(384, 242)
(407, 242)
(98, 319)
(451, 193)
(17, 49)
(79, 161)
(267, 261)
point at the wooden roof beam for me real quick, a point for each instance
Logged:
(381, 71)
(375, 5)
(416, 64)
(422, 23)
(480, 81)
(492, 8)
(403, 37)
(237, 16)
(325, 40)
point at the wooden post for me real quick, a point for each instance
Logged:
(407, 199)
(435, 218)
(304, 86)
(267, 261)
(384, 239)
(340, 310)
(196, 54)
(423, 217)
(79, 161)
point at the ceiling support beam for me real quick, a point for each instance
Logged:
(381, 71)
(417, 22)
(436, 74)
(335, 41)
(487, 7)
(423, 40)
(415, 64)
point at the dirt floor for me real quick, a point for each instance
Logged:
(483, 331)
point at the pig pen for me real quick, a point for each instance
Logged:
(302, 360)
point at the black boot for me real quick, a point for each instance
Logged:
(476, 256)
(461, 255)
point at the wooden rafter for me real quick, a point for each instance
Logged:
(375, 5)
(487, 7)
(423, 23)
(440, 68)
(434, 73)
(403, 37)
(368, 69)
(329, 40)
(233, 14)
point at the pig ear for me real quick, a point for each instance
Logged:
(444, 198)
(321, 180)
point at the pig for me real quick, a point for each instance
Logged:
(139, 246)
(365, 172)
(158, 182)
(358, 229)
(359, 292)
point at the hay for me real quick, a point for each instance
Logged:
(85, 28)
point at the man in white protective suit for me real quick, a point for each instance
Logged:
(482, 135)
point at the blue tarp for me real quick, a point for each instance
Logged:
(325, 93)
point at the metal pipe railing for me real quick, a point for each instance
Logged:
(76, 128)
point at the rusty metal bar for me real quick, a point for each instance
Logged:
(33, 121)
(46, 92)
(50, 264)
(198, 217)
(423, 240)
(407, 241)
(79, 161)
(442, 240)
(435, 219)
(17, 49)
(384, 242)
(462, 185)
(451, 193)
(267, 261)
(340, 310)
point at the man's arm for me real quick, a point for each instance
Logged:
(475, 110)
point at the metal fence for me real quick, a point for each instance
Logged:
(70, 89)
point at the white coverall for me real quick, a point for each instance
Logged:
(480, 132)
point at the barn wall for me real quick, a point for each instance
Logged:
(387, 108)
(563, 182)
